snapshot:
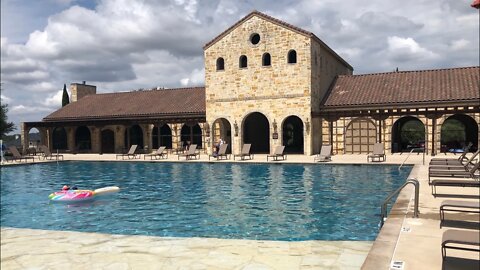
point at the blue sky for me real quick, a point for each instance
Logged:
(121, 45)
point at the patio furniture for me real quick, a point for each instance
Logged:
(454, 172)
(378, 153)
(191, 153)
(456, 162)
(468, 240)
(222, 153)
(17, 156)
(453, 183)
(325, 154)
(278, 153)
(159, 153)
(245, 152)
(48, 155)
(458, 206)
(460, 158)
(130, 154)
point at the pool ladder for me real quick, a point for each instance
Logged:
(412, 181)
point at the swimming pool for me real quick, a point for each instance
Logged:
(289, 202)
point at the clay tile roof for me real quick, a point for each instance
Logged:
(406, 87)
(166, 102)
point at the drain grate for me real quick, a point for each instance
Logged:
(397, 265)
(406, 229)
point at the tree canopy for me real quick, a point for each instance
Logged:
(65, 98)
(5, 126)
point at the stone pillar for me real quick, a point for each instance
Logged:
(70, 138)
(432, 132)
(147, 136)
(24, 136)
(119, 138)
(96, 139)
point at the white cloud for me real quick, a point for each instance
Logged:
(403, 49)
(54, 101)
(5, 99)
(460, 44)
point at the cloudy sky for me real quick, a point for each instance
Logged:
(121, 45)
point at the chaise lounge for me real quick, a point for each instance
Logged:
(325, 154)
(378, 153)
(191, 153)
(17, 155)
(160, 153)
(453, 183)
(48, 155)
(460, 240)
(130, 153)
(245, 152)
(458, 206)
(278, 153)
(454, 173)
(222, 153)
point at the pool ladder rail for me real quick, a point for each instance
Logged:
(423, 161)
(416, 184)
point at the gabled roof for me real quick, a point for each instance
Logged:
(154, 103)
(279, 23)
(405, 88)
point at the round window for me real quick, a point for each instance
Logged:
(255, 38)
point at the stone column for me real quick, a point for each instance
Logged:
(96, 139)
(119, 138)
(433, 132)
(24, 136)
(147, 136)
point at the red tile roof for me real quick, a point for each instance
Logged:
(406, 87)
(165, 102)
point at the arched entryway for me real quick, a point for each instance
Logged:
(108, 141)
(83, 140)
(59, 139)
(34, 138)
(360, 136)
(292, 130)
(162, 136)
(134, 135)
(191, 133)
(256, 132)
(408, 133)
(458, 131)
(221, 129)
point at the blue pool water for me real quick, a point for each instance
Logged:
(243, 201)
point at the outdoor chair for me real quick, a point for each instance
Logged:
(325, 154)
(378, 153)
(460, 158)
(278, 153)
(469, 172)
(48, 155)
(17, 156)
(191, 153)
(453, 183)
(130, 153)
(159, 153)
(458, 206)
(468, 240)
(222, 152)
(245, 152)
(456, 162)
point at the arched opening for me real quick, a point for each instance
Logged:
(83, 140)
(408, 133)
(108, 141)
(292, 131)
(243, 62)
(266, 60)
(256, 132)
(220, 64)
(292, 57)
(34, 138)
(360, 136)
(162, 136)
(191, 133)
(134, 135)
(222, 129)
(458, 131)
(59, 139)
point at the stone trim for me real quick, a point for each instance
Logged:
(256, 98)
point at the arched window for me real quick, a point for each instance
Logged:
(266, 60)
(243, 61)
(292, 57)
(220, 64)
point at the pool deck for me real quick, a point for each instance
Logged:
(413, 241)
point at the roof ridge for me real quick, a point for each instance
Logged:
(408, 71)
(152, 89)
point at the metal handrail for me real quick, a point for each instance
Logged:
(416, 184)
(401, 165)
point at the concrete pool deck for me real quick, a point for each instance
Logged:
(413, 241)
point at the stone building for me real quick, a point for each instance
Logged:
(270, 83)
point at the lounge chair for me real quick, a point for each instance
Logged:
(460, 158)
(453, 183)
(378, 153)
(468, 240)
(191, 153)
(159, 153)
(325, 154)
(454, 173)
(130, 153)
(245, 152)
(456, 162)
(278, 153)
(17, 156)
(458, 206)
(222, 152)
(48, 155)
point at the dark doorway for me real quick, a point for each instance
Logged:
(292, 131)
(408, 133)
(59, 139)
(457, 131)
(222, 129)
(191, 134)
(256, 132)
(162, 136)
(83, 140)
(134, 135)
(108, 141)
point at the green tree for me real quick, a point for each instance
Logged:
(5, 126)
(65, 98)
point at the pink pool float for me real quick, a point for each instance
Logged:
(78, 195)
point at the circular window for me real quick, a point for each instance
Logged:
(255, 38)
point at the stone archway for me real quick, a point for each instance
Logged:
(292, 130)
(221, 129)
(59, 139)
(256, 131)
(191, 134)
(457, 131)
(108, 141)
(83, 139)
(360, 136)
(408, 133)
(162, 136)
(134, 135)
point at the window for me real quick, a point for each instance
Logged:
(255, 38)
(266, 60)
(292, 57)
(220, 64)
(243, 61)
